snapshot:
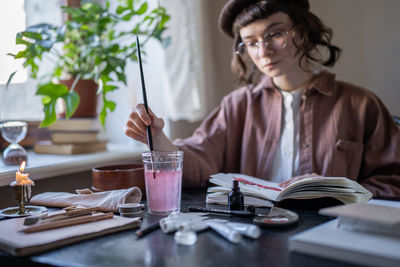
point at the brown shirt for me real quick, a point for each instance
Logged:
(345, 131)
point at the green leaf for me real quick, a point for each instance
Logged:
(32, 35)
(142, 9)
(57, 71)
(20, 54)
(71, 103)
(102, 116)
(109, 88)
(110, 105)
(121, 9)
(53, 90)
(121, 77)
(46, 100)
(20, 40)
(129, 4)
(127, 17)
(50, 115)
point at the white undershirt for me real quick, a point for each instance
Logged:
(286, 160)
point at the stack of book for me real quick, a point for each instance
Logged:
(73, 136)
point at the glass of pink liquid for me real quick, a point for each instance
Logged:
(163, 177)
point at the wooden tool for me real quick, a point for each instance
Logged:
(68, 222)
(50, 218)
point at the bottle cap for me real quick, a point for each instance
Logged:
(253, 231)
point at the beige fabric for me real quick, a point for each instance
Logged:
(107, 200)
(13, 241)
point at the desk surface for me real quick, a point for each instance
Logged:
(159, 249)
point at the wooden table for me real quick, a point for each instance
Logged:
(159, 249)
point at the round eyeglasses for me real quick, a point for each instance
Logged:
(272, 40)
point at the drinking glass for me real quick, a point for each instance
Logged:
(163, 178)
(14, 132)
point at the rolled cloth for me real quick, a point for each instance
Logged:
(106, 200)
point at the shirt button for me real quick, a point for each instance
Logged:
(304, 146)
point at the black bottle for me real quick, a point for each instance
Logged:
(235, 197)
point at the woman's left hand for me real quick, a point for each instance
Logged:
(297, 178)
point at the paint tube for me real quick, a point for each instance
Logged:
(226, 231)
(246, 229)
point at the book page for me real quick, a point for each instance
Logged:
(341, 188)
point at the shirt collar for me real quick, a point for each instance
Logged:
(324, 84)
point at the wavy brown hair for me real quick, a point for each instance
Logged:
(314, 37)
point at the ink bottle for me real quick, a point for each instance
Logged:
(235, 197)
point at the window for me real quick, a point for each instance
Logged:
(18, 101)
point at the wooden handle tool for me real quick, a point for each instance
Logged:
(68, 214)
(68, 222)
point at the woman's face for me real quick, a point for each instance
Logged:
(270, 61)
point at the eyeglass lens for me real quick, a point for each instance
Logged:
(274, 41)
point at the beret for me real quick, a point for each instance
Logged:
(233, 7)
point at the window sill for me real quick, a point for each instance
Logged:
(42, 166)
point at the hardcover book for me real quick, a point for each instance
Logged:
(74, 137)
(259, 192)
(47, 147)
(365, 248)
(76, 124)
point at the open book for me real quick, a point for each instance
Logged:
(258, 192)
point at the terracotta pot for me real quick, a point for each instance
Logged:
(118, 177)
(86, 89)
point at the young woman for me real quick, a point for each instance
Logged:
(292, 118)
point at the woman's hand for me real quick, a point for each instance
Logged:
(297, 178)
(136, 125)
(138, 120)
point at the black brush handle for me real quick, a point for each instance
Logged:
(239, 213)
(148, 129)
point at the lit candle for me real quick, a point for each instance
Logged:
(23, 178)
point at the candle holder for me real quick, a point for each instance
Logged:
(14, 132)
(21, 197)
(22, 194)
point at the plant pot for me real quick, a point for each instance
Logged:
(87, 91)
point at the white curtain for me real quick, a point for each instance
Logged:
(185, 76)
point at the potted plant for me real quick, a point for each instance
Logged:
(88, 50)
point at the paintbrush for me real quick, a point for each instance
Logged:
(45, 218)
(148, 128)
(68, 222)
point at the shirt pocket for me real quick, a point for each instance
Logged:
(347, 159)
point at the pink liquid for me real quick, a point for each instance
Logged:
(164, 191)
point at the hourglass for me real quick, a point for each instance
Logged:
(14, 132)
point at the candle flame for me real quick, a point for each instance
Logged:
(22, 167)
